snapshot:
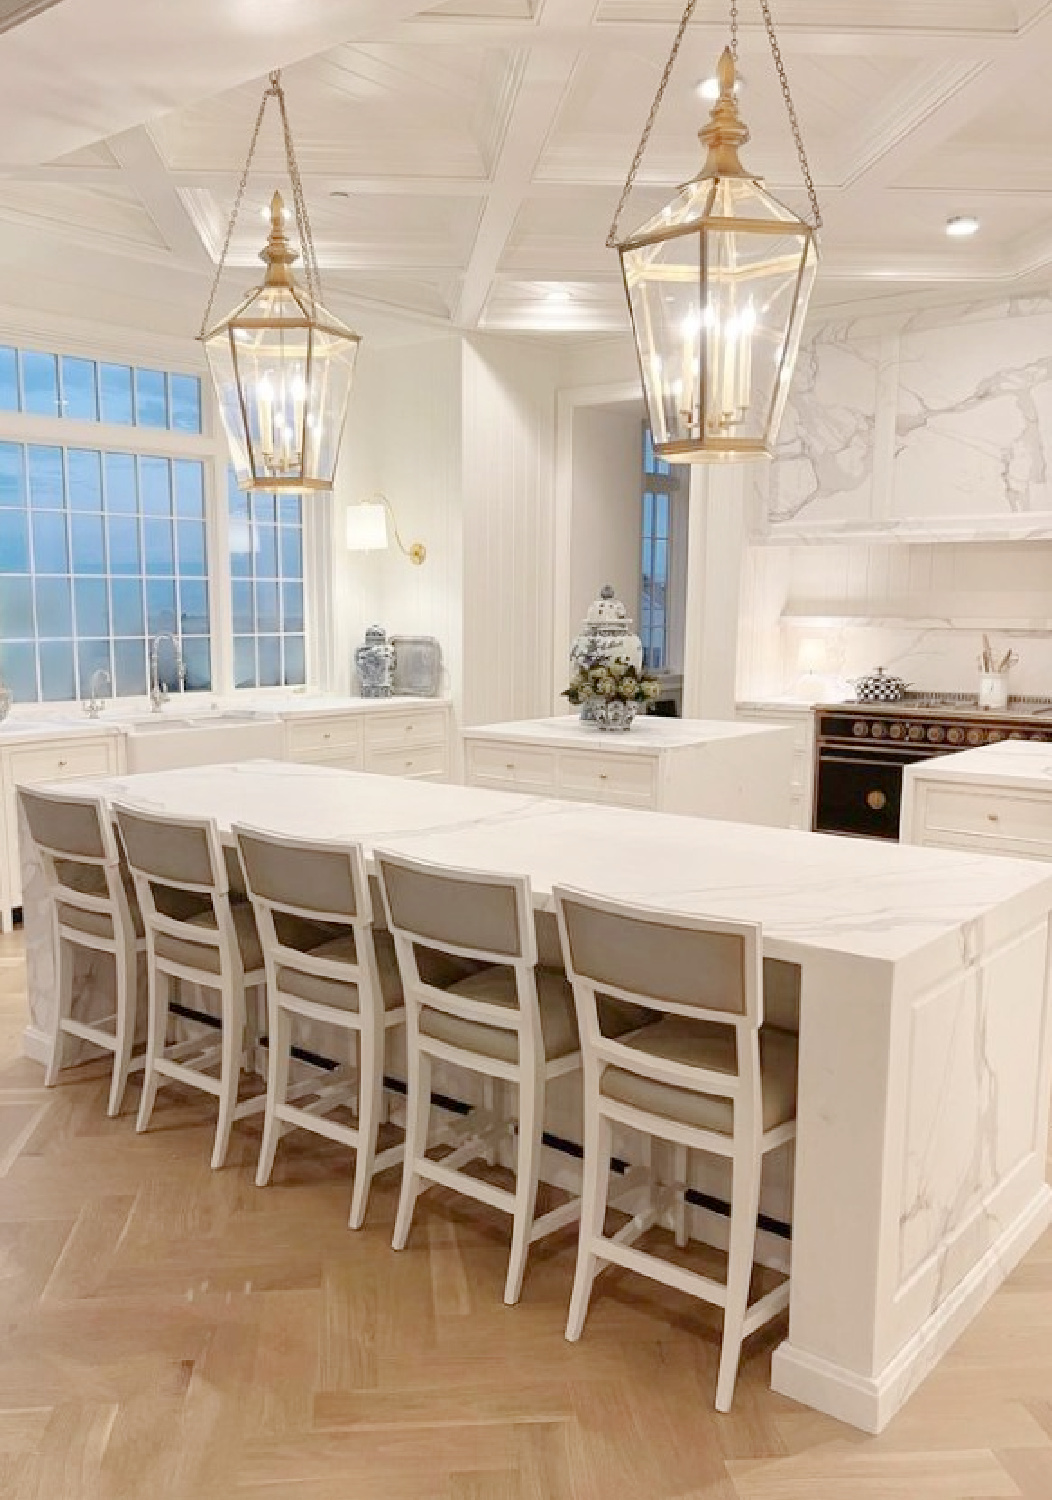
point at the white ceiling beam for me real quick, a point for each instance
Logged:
(143, 170)
(542, 87)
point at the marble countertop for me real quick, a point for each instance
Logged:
(118, 717)
(810, 891)
(1017, 763)
(649, 732)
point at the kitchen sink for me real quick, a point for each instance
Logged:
(213, 737)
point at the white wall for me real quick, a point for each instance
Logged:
(404, 439)
(605, 525)
(508, 485)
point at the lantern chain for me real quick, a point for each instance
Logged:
(611, 239)
(310, 260)
(801, 151)
(783, 80)
(235, 212)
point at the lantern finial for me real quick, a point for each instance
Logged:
(726, 131)
(277, 254)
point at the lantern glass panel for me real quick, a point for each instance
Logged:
(718, 284)
(283, 373)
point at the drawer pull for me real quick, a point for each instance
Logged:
(509, 765)
(409, 729)
(409, 765)
(994, 817)
(603, 776)
(327, 735)
(876, 800)
(63, 764)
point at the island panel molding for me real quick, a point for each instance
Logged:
(709, 768)
(915, 1192)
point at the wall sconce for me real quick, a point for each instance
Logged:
(367, 529)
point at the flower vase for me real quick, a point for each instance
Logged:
(613, 714)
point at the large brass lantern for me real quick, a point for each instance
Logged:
(282, 364)
(718, 284)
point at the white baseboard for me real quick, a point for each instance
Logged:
(870, 1402)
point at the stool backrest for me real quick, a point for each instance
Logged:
(181, 878)
(297, 885)
(701, 968)
(81, 861)
(470, 914)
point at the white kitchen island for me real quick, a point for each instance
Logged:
(924, 1032)
(997, 799)
(712, 768)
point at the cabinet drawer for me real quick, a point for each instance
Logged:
(412, 760)
(324, 736)
(609, 778)
(57, 762)
(985, 814)
(511, 765)
(394, 731)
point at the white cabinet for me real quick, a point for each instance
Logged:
(997, 800)
(712, 769)
(381, 735)
(801, 720)
(55, 756)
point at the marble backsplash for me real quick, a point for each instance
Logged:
(909, 506)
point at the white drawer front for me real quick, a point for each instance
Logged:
(629, 779)
(496, 764)
(310, 737)
(58, 761)
(412, 761)
(395, 731)
(985, 814)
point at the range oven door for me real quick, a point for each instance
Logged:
(860, 791)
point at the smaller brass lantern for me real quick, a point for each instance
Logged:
(282, 367)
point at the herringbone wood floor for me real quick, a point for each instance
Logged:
(170, 1333)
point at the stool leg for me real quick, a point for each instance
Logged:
(745, 1204)
(233, 1011)
(417, 1119)
(159, 989)
(277, 1088)
(531, 1125)
(598, 1143)
(680, 1168)
(370, 1101)
(64, 957)
(127, 985)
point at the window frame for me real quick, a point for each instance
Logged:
(208, 447)
(658, 477)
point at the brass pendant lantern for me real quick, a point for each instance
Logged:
(282, 364)
(718, 284)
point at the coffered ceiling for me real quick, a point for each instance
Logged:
(462, 159)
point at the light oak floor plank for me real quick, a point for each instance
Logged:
(175, 1333)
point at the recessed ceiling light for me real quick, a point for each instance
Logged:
(709, 88)
(960, 226)
(339, 193)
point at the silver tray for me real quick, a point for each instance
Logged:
(418, 666)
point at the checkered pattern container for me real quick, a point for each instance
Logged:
(878, 687)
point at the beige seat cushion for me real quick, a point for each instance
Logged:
(342, 994)
(203, 956)
(705, 1045)
(97, 923)
(90, 880)
(558, 1016)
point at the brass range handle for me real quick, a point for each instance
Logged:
(876, 800)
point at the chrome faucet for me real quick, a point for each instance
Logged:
(159, 689)
(93, 707)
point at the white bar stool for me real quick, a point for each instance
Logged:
(704, 1077)
(93, 906)
(194, 933)
(343, 973)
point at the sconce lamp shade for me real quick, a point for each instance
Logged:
(367, 527)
